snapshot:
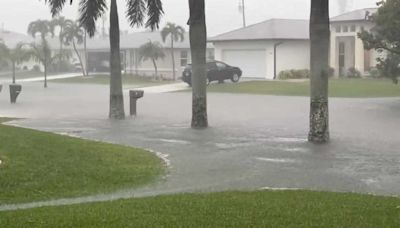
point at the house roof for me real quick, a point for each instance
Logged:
(356, 15)
(269, 30)
(11, 39)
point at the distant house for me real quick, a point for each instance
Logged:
(263, 50)
(99, 53)
(347, 50)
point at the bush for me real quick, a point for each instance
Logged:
(374, 73)
(36, 68)
(353, 73)
(294, 74)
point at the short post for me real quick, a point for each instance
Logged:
(134, 95)
(15, 90)
(1, 87)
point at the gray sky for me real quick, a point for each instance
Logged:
(222, 15)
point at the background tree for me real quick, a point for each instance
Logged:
(176, 33)
(41, 27)
(152, 51)
(385, 36)
(14, 56)
(73, 33)
(198, 45)
(320, 42)
(60, 22)
(42, 54)
(90, 11)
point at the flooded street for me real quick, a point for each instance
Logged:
(248, 146)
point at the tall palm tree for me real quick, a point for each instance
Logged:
(41, 53)
(320, 41)
(177, 33)
(73, 33)
(15, 56)
(44, 28)
(198, 42)
(61, 23)
(152, 51)
(91, 11)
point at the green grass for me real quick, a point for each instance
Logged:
(40, 166)
(229, 209)
(105, 80)
(337, 88)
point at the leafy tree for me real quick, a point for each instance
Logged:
(14, 56)
(61, 23)
(320, 42)
(90, 11)
(385, 36)
(176, 33)
(198, 45)
(42, 54)
(73, 33)
(152, 51)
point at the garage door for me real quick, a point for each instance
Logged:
(252, 62)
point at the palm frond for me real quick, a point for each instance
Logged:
(154, 12)
(56, 6)
(90, 11)
(135, 12)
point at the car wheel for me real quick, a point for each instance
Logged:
(235, 78)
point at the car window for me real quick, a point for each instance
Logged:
(221, 66)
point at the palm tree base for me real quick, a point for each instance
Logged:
(117, 107)
(199, 112)
(319, 121)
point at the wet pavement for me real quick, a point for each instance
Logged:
(254, 142)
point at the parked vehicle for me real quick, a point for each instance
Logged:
(216, 71)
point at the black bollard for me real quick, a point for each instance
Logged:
(15, 90)
(134, 95)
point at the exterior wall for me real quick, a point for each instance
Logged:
(343, 32)
(291, 54)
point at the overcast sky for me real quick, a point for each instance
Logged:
(222, 15)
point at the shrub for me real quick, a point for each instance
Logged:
(353, 73)
(374, 73)
(294, 74)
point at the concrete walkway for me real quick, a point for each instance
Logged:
(254, 141)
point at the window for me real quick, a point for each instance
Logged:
(345, 28)
(211, 55)
(338, 29)
(220, 66)
(184, 58)
(353, 28)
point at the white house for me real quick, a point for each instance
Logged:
(263, 50)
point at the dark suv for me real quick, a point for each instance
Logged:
(216, 71)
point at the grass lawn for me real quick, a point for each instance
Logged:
(228, 209)
(105, 80)
(39, 166)
(337, 88)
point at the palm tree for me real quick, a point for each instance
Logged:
(73, 33)
(15, 56)
(177, 33)
(91, 11)
(60, 22)
(152, 51)
(320, 40)
(44, 28)
(198, 42)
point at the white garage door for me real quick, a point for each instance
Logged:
(252, 62)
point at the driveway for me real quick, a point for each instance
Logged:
(254, 142)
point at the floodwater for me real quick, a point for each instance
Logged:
(254, 142)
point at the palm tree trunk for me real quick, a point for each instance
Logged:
(79, 57)
(155, 68)
(86, 54)
(13, 72)
(198, 40)
(61, 49)
(116, 95)
(320, 40)
(45, 73)
(173, 58)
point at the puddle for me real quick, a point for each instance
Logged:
(175, 141)
(276, 160)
